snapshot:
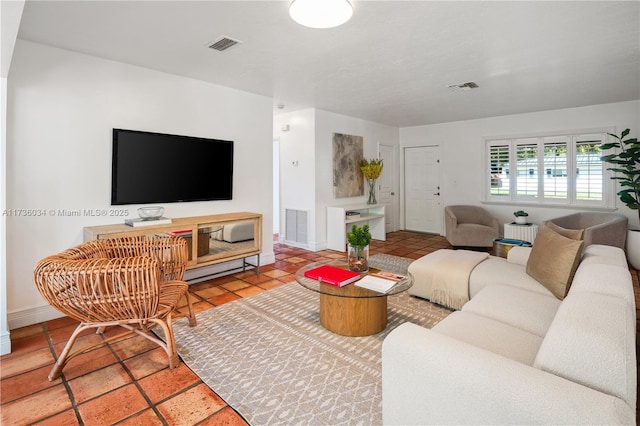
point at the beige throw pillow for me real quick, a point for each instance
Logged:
(554, 260)
(574, 234)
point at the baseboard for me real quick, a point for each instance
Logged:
(38, 314)
(5, 343)
(32, 316)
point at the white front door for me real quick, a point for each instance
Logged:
(385, 183)
(423, 212)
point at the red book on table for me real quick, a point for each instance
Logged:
(332, 275)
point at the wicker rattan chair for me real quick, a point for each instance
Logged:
(133, 282)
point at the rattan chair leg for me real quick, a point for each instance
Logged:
(65, 355)
(170, 345)
(192, 316)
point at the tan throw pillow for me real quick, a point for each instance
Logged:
(554, 260)
(574, 234)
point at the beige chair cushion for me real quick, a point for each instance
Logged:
(554, 260)
(574, 234)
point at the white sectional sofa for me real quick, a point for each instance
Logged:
(516, 354)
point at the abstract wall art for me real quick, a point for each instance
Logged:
(347, 154)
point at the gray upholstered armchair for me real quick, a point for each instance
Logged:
(470, 226)
(609, 229)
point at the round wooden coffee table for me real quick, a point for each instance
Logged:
(350, 310)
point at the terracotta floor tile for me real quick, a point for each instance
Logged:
(146, 418)
(60, 322)
(66, 418)
(249, 291)
(276, 273)
(99, 382)
(208, 293)
(28, 331)
(24, 384)
(168, 382)
(35, 407)
(225, 298)
(225, 417)
(192, 406)
(25, 362)
(287, 278)
(132, 346)
(235, 285)
(202, 306)
(62, 334)
(270, 284)
(257, 279)
(113, 406)
(94, 360)
(28, 344)
(147, 363)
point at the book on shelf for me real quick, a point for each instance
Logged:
(147, 222)
(381, 281)
(331, 275)
(184, 232)
(352, 215)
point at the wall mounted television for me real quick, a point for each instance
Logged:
(159, 168)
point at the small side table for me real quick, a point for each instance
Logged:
(514, 231)
(502, 246)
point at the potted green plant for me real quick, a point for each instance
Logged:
(521, 217)
(626, 166)
(358, 250)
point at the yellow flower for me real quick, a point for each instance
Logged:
(371, 169)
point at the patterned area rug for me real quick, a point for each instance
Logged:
(269, 358)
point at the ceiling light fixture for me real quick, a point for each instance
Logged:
(320, 13)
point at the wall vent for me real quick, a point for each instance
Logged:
(463, 86)
(296, 224)
(223, 43)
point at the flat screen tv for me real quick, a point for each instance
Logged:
(158, 168)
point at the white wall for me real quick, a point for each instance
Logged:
(10, 16)
(309, 184)
(462, 149)
(62, 108)
(328, 123)
(297, 163)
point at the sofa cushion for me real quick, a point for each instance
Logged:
(604, 279)
(604, 255)
(492, 335)
(523, 309)
(496, 270)
(554, 260)
(574, 234)
(591, 341)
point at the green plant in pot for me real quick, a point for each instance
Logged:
(521, 217)
(358, 251)
(626, 166)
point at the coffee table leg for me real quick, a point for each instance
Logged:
(353, 316)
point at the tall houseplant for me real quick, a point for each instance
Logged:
(626, 166)
(358, 251)
(371, 170)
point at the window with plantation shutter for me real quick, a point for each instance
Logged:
(547, 169)
(526, 169)
(499, 169)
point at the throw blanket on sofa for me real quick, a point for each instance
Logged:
(450, 280)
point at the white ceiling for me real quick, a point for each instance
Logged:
(390, 63)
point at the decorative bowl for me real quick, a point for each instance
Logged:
(151, 212)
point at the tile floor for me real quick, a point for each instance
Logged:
(127, 382)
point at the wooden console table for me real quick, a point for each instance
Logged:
(212, 244)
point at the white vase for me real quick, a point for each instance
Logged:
(633, 248)
(521, 220)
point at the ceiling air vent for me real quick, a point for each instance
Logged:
(463, 86)
(223, 43)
